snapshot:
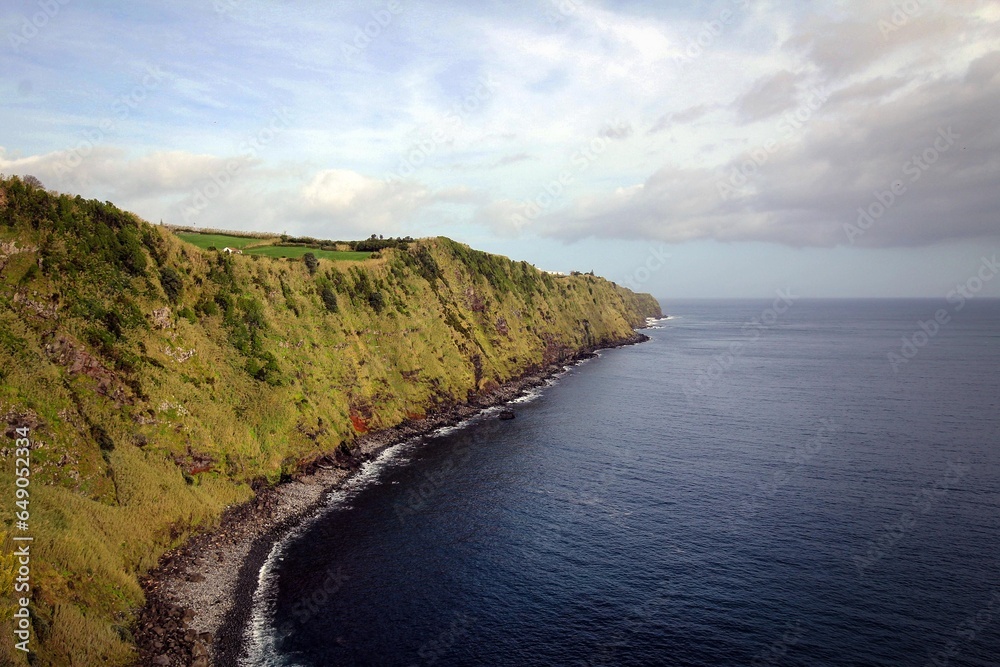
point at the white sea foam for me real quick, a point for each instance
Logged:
(263, 639)
(656, 322)
(528, 396)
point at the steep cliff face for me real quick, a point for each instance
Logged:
(158, 382)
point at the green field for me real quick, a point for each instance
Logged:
(296, 252)
(220, 241)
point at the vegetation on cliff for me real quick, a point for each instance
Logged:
(161, 382)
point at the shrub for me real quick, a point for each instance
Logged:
(187, 314)
(171, 282)
(311, 263)
(377, 301)
(329, 298)
(207, 307)
(104, 440)
(265, 369)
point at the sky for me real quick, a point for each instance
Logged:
(728, 148)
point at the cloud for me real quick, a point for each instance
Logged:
(512, 159)
(683, 117)
(345, 200)
(939, 142)
(617, 131)
(900, 36)
(769, 96)
(107, 170)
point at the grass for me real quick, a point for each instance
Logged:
(265, 248)
(298, 251)
(220, 241)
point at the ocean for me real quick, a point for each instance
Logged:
(779, 482)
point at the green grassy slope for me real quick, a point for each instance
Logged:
(220, 241)
(159, 380)
(296, 252)
(265, 247)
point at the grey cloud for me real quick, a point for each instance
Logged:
(769, 96)
(809, 189)
(682, 117)
(662, 123)
(865, 92)
(840, 49)
(617, 131)
(512, 159)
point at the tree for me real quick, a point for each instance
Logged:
(311, 263)
(33, 181)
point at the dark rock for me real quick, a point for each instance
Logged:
(507, 414)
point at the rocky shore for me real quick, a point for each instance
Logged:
(199, 599)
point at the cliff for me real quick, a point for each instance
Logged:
(160, 383)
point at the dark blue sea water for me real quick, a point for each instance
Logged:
(793, 499)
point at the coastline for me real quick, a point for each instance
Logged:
(199, 599)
